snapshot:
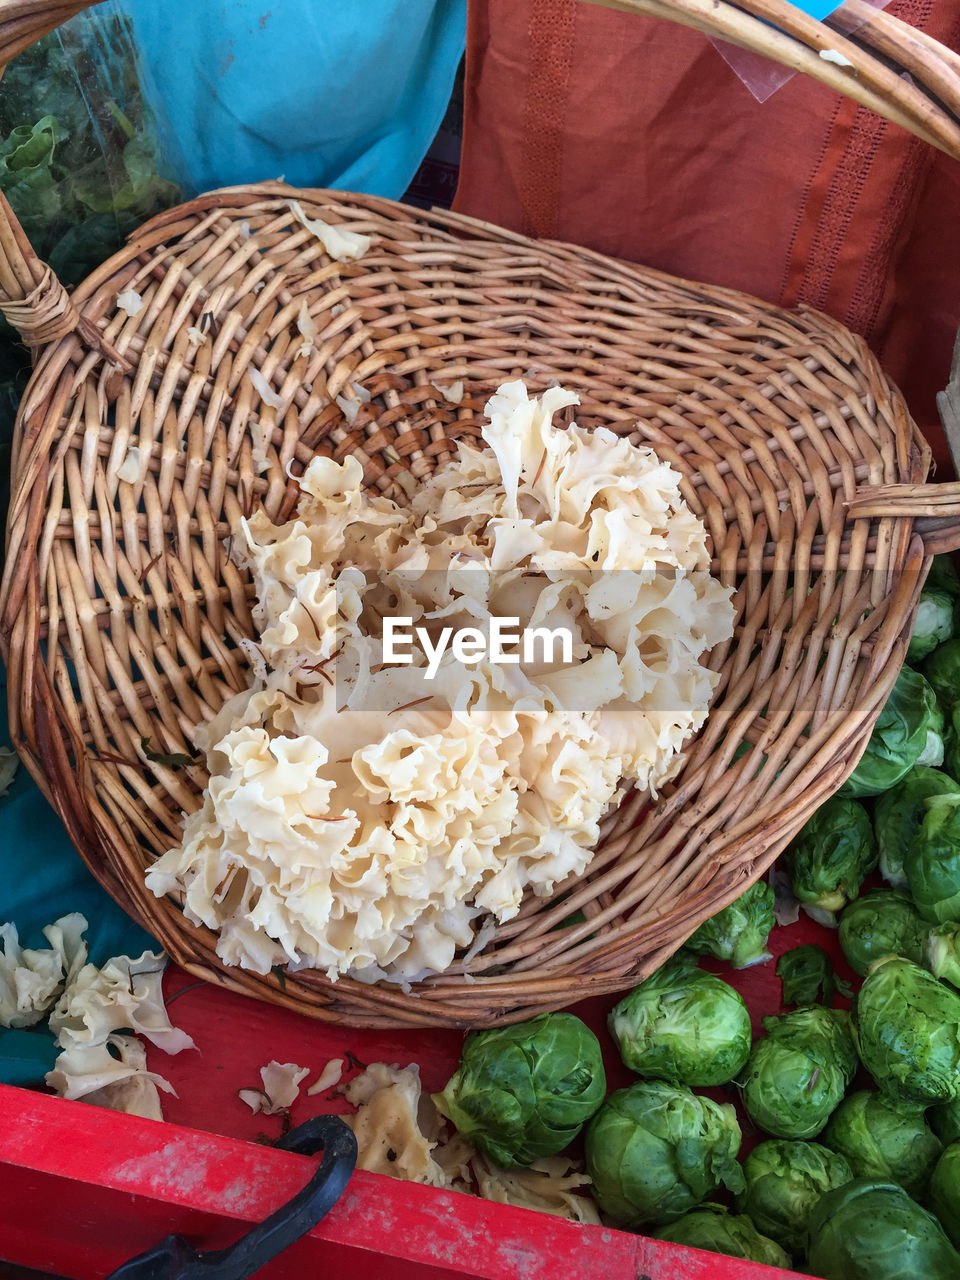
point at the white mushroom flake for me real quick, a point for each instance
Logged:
(349, 408)
(264, 389)
(130, 302)
(195, 336)
(340, 244)
(132, 467)
(328, 1077)
(307, 328)
(361, 821)
(281, 1088)
(452, 393)
(834, 56)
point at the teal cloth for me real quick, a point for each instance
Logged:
(326, 93)
(42, 878)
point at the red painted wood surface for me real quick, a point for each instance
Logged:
(83, 1189)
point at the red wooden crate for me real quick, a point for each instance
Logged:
(83, 1189)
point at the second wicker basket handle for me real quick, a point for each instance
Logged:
(934, 509)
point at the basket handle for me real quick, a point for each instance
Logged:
(31, 297)
(933, 508)
(875, 50)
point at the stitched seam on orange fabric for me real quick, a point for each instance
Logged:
(840, 205)
(811, 204)
(551, 32)
(868, 294)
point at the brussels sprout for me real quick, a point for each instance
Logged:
(712, 1228)
(829, 858)
(739, 932)
(945, 1191)
(684, 1025)
(885, 1140)
(898, 814)
(656, 1150)
(873, 1231)
(943, 576)
(525, 1091)
(942, 672)
(932, 860)
(796, 1076)
(909, 731)
(884, 922)
(785, 1180)
(945, 1121)
(908, 1031)
(942, 953)
(807, 976)
(932, 625)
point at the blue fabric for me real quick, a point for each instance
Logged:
(42, 877)
(332, 93)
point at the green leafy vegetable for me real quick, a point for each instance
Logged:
(785, 1180)
(932, 625)
(932, 860)
(656, 1150)
(739, 932)
(908, 1031)
(945, 1192)
(945, 1121)
(873, 1231)
(808, 977)
(712, 1228)
(881, 923)
(942, 672)
(829, 858)
(898, 814)
(943, 576)
(796, 1076)
(942, 953)
(524, 1091)
(909, 731)
(884, 1140)
(684, 1025)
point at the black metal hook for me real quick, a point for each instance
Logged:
(175, 1259)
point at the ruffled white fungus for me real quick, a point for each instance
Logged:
(452, 393)
(32, 979)
(307, 328)
(358, 821)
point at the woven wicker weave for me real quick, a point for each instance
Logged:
(121, 612)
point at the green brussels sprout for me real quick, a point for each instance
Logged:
(909, 731)
(656, 1150)
(942, 672)
(871, 1230)
(710, 1227)
(945, 1121)
(807, 976)
(932, 625)
(942, 953)
(739, 932)
(951, 742)
(908, 1031)
(943, 576)
(684, 1025)
(932, 860)
(885, 1140)
(796, 1076)
(785, 1180)
(830, 856)
(524, 1091)
(945, 1192)
(898, 814)
(884, 922)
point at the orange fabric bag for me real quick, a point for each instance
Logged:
(634, 137)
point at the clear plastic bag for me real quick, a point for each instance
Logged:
(83, 158)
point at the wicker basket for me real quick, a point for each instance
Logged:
(121, 613)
